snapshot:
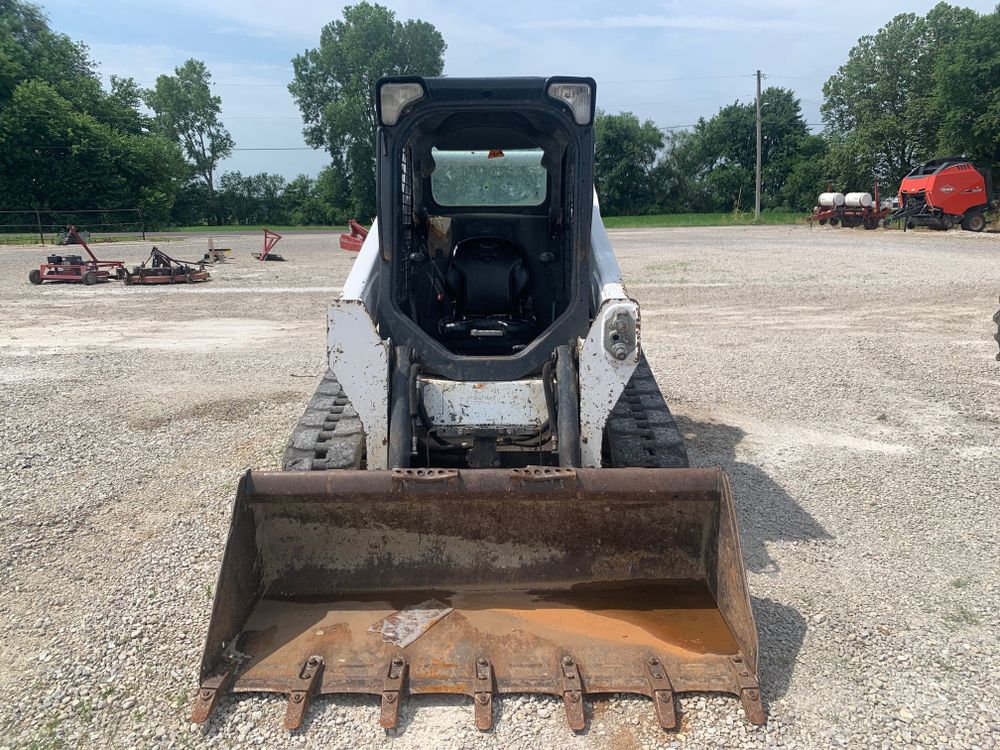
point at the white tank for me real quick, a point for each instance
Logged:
(858, 200)
(831, 199)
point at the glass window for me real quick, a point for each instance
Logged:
(489, 178)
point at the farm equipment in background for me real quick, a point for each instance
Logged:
(66, 238)
(270, 240)
(74, 268)
(355, 239)
(216, 254)
(160, 268)
(944, 193)
(850, 210)
(488, 493)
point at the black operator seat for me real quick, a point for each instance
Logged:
(489, 286)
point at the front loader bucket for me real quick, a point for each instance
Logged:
(564, 582)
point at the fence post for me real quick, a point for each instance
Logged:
(38, 221)
(142, 223)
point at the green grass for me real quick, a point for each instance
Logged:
(701, 220)
(228, 228)
(32, 239)
(961, 616)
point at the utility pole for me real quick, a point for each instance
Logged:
(756, 202)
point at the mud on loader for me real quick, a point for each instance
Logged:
(487, 494)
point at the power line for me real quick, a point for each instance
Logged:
(794, 78)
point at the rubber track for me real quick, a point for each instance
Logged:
(329, 435)
(641, 431)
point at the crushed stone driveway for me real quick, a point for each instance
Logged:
(845, 379)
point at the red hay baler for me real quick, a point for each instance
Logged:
(945, 192)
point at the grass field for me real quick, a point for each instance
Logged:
(611, 222)
(701, 220)
(253, 228)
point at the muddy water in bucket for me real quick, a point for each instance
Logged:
(563, 582)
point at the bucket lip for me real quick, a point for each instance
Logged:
(548, 483)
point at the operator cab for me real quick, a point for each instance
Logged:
(483, 249)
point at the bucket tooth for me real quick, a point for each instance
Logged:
(392, 690)
(662, 693)
(572, 694)
(483, 697)
(753, 706)
(308, 678)
(211, 690)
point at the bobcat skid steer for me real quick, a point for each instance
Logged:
(488, 494)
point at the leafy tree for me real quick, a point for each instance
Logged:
(254, 199)
(880, 107)
(334, 87)
(187, 112)
(716, 161)
(66, 143)
(805, 175)
(967, 87)
(625, 154)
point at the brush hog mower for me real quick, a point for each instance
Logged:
(487, 494)
(160, 268)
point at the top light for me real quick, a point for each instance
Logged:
(577, 96)
(393, 97)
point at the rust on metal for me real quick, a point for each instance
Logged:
(483, 695)
(211, 690)
(572, 693)
(610, 566)
(753, 705)
(662, 693)
(392, 692)
(298, 699)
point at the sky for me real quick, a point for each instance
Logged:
(671, 62)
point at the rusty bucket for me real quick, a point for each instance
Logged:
(565, 582)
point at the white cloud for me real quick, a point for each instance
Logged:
(688, 22)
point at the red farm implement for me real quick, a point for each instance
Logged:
(75, 269)
(160, 268)
(355, 239)
(850, 210)
(943, 193)
(270, 240)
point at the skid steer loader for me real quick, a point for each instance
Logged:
(488, 494)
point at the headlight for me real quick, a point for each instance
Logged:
(393, 97)
(577, 96)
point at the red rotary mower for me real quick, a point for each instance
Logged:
(74, 269)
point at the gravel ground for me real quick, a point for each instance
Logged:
(845, 379)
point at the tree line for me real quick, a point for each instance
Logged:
(920, 87)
